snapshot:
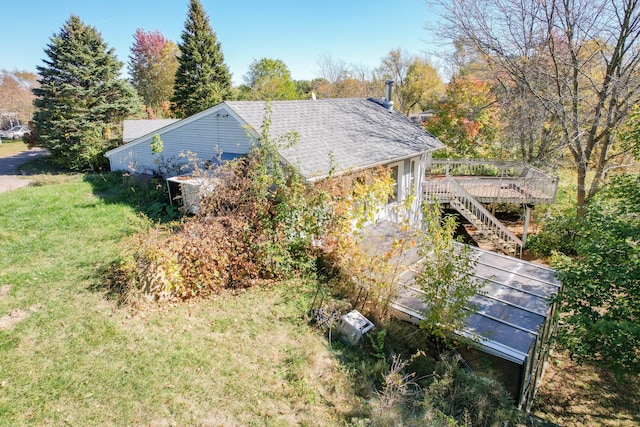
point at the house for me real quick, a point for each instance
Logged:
(339, 136)
(335, 136)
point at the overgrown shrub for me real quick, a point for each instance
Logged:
(257, 223)
(558, 234)
(467, 398)
(599, 303)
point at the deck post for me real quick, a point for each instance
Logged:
(527, 216)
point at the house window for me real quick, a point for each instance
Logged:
(412, 176)
(395, 176)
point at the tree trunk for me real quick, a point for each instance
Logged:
(582, 186)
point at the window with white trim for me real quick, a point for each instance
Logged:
(396, 176)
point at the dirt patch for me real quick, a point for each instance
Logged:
(16, 316)
(4, 290)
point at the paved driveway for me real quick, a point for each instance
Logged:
(10, 176)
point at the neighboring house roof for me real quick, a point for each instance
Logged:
(339, 134)
(336, 135)
(134, 129)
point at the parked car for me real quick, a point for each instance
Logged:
(15, 132)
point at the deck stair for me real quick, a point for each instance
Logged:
(451, 192)
(484, 221)
(466, 185)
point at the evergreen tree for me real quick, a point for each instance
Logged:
(203, 79)
(81, 99)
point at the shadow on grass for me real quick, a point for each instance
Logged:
(43, 165)
(113, 283)
(575, 394)
(145, 194)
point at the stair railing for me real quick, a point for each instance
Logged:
(480, 214)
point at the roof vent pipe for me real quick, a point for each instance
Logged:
(388, 94)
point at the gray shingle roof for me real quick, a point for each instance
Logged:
(133, 129)
(343, 134)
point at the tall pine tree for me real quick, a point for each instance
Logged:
(203, 79)
(81, 100)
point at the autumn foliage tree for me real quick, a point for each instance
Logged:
(576, 60)
(17, 96)
(466, 118)
(152, 66)
(417, 82)
(336, 79)
(202, 79)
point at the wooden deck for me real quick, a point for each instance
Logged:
(491, 182)
(469, 185)
(490, 190)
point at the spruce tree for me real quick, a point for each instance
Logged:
(81, 100)
(203, 79)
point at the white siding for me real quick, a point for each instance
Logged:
(205, 137)
(407, 185)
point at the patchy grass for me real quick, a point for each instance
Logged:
(243, 360)
(573, 395)
(71, 355)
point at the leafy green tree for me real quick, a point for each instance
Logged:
(600, 299)
(422, 87)
(269, 79)
(631, 134)
(303, 88)
(152, 65)
(447, 277)
(203, 79)
(81, 100)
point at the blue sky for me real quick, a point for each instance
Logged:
(297, 32)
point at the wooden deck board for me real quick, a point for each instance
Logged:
(490, 190)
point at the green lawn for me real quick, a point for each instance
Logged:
(71, 356)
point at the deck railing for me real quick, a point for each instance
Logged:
(498, 180)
